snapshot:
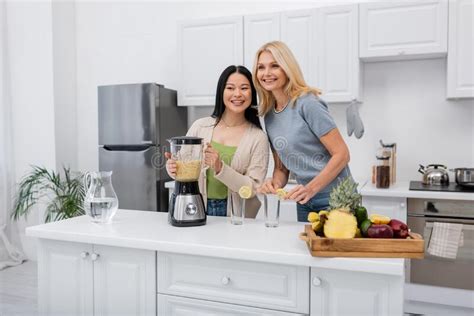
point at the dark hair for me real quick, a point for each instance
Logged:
(251, 113)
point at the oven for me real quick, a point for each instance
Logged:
(455, 273)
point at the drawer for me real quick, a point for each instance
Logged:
(177, 306)
(264, 285)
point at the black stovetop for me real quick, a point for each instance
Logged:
(452, 187)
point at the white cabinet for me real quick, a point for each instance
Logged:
(176, 306)
(206, 48)
(403, 30)
(65, 278)
(84, 279)
(341, 293)
(461, 49)
(298, 30)
(259, 29)
(393, 207)
(337, 39)
(268, 286)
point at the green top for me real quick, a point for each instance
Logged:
(215, 188)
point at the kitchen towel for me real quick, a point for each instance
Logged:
(445, 240)
(354, 122)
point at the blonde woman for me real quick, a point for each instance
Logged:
(302, 133)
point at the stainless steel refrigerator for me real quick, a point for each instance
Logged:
(135, 121)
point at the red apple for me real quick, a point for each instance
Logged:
(400, 229)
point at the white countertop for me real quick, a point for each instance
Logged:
(218, 238)
(401, 189)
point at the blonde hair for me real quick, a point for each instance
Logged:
(296, 85)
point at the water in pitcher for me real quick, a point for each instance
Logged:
(101, 210)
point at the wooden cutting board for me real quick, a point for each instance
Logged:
(411, 247)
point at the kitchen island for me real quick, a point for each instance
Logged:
(140, 265)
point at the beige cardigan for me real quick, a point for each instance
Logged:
(248, 167)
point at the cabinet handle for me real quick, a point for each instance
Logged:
(316, 281)
(84, 254)
(402, 205)
(95, 256)
(225, 280)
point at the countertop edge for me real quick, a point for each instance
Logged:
(394, 266)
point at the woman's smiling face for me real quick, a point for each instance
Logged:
(237, 93)
(269, 73)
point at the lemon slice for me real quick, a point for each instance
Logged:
(245, 192)
(281, 193)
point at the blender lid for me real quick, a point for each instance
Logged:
(186, 140)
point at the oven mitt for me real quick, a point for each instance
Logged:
(354, 122)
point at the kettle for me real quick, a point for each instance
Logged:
(434, 174)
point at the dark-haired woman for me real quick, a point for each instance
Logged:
(237, 150)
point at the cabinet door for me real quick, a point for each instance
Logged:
(403, 30)
(259, 29)
(338, 53)
(461, 49)
(175, 305)
(298, 32)
(393, 207)
(343, 293)
(64, 278)
(205, 49)
(124, 281)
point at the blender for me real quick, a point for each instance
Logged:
(187, 205)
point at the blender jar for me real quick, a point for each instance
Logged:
(187, 152)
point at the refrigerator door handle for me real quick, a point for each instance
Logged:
(126, 147)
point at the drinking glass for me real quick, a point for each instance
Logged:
(271, 210)
(237, 208)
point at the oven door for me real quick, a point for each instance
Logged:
(454, 273)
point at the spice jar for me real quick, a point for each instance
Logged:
(382, 173)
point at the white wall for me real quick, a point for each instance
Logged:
(64, 52)
(29, 51)
(405, 102)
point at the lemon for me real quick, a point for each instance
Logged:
(379, 219)
(281, 193)
(245, 192)
(313, 217)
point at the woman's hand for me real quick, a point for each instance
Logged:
(170, 165)
(268, 187)
(301, 194)
(211, 158)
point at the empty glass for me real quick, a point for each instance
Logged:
(237, 207)
(271, 210)
(100, 200)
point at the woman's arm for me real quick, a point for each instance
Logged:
(279, 179)
(256, 170)
(340, 157)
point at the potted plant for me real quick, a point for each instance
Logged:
(65, 194)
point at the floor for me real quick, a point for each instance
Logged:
(18, 290)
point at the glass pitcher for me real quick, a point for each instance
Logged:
(100, 200)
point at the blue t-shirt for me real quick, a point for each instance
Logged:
(294, 134)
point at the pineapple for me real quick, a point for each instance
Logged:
(340, 224)
(345, 195)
